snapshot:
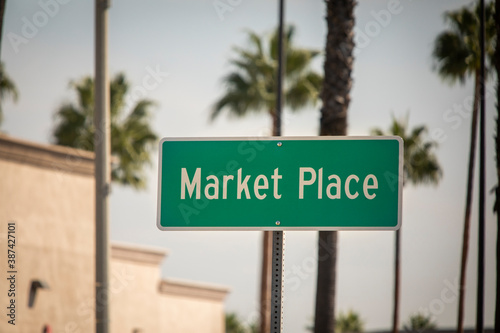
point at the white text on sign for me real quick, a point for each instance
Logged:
(307, 177)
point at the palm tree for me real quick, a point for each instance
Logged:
(132, 139)
(419, 322)
(420, 167)
(497, 148)
(335, 103)
(2, 12)
(235, 325)
(349, 322)
(7, 88)
(251, 87)
(457, 57)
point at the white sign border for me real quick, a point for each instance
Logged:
(283, 138)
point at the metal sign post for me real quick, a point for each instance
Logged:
(277, 258)
(277, 281)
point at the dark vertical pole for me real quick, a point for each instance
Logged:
(480, 252)
(277, 283)
(2, 14)
(397, 280)
(281, 58)
(102, 144)
(265, 290)
(277, 258)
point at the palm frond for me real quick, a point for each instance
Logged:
(132, 138)
(421, 165)
(456, 51)
(251, 85)
(7, 89)
(298, 60)
(304, 90)
(451, 54)
(7, 86)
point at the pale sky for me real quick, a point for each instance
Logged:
(189, 43)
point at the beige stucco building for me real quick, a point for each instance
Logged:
(47, 204)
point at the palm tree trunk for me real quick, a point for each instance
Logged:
(335, 97)
(324, 320)
(497, 146)
(468, 207)
(2, 11)
(397, 281)
(276, 122)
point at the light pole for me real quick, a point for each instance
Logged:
(278, 236)
(102, 144)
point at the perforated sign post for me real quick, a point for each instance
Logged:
(280, 183)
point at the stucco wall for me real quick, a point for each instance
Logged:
(143, 302)
(134, 294)
(192, 315)
(48, 191)
(52, 205)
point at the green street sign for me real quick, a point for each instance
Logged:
(280, 183)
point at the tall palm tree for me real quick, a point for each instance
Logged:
(497, 148)
(420, 167)
(335, 97)
(457, 57)
(7, 88)
(251, 87)
(132, 139)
